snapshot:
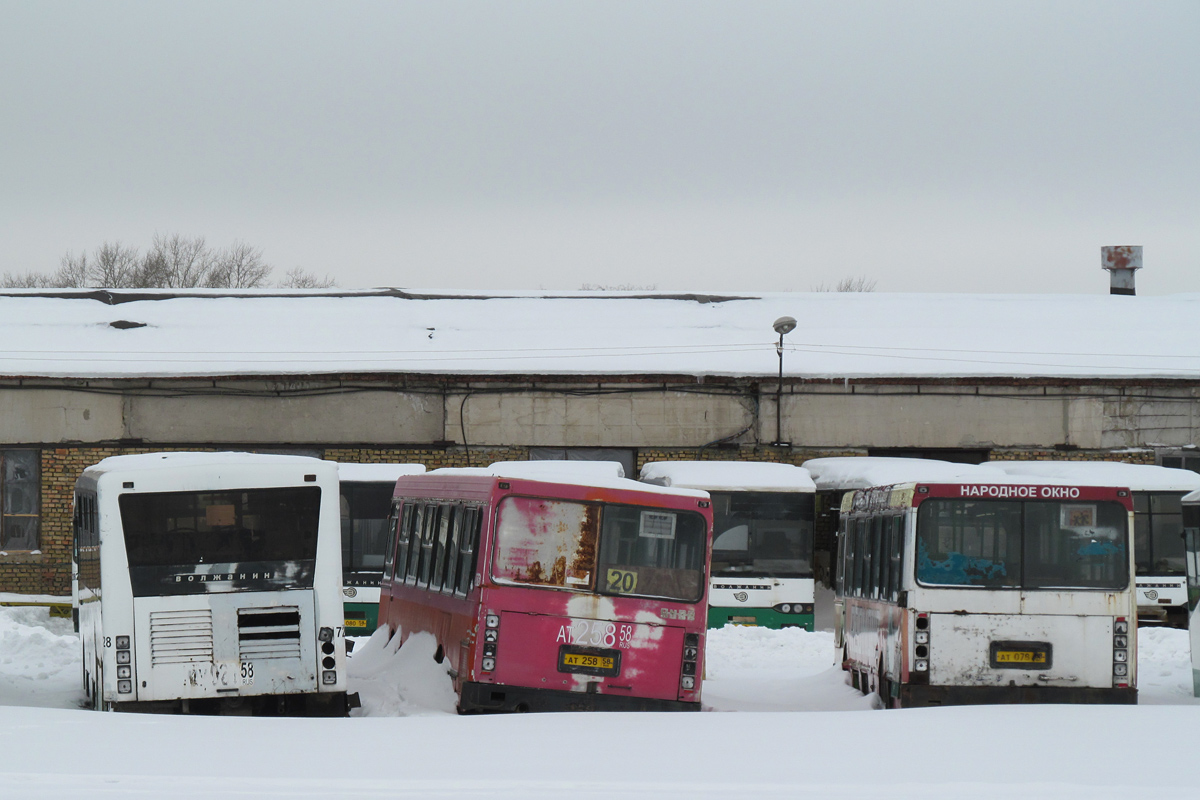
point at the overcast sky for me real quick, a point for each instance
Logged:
(936, 146)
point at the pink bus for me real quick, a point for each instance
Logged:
(553, 596)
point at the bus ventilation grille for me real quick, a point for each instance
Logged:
(268, 633)
(181, 637)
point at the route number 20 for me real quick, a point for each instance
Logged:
(621, 581)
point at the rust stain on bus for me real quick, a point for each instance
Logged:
(585, 550)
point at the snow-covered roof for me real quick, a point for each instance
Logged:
(376, 473)
(1136, 477)
(553, 470)
(101, 333)
(844, 474)
(718, 476)
(181, 460)
(569, 477)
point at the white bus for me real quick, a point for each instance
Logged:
(366, 503)
(985, 588)
(1157, 525)
(210, 582)
(1191, 537)
(762, 555)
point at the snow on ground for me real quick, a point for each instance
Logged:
(39, 659)
(793, 736)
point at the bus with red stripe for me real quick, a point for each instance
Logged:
(998, 592)
(552, 595)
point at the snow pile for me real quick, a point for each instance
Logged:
(395, 681)
(863, 472)
(1164, 667)
(39, 659)
(1137, 477)
(728, 476)
(376, 473)
(734, 649)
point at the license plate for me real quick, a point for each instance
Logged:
(744, 620)
(581, 660)
(589, 660)
(1021, 655)
(356, 623)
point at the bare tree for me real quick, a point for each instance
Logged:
(617, 287)
(238, 266)
(177, 262)
(859, 284)
(172, 262)
(299, 279)
(25, 280)
(73, 272)
(114, 266)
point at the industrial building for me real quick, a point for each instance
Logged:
(471, 378)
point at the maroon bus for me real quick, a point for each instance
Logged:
(553, 596)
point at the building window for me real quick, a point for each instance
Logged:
(1179, 459)
(19, 501)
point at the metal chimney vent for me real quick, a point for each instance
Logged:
(1121, 261)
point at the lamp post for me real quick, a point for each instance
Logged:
(782, 326)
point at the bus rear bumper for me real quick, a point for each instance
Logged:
(323, 704)
(490, 697)
(921, 696)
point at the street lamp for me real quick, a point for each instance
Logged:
(782, 326)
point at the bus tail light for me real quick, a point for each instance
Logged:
(921, 644)
(491, 639)
(691, 653)
(1121, 652)
(124, 666)
(329, 677)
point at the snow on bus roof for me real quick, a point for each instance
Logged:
(143, 461)
(377, 473)
(746, 476)
(552, 469)
(862, 472)
(567, 477)
(1135, 477)
(151, 333)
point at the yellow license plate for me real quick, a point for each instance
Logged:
(1020, 657)
(581, 660)
(356, 623)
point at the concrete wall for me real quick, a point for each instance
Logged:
(632, 418)
(938, 417)
(59, 415)
(590, 415)
(381, 416)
